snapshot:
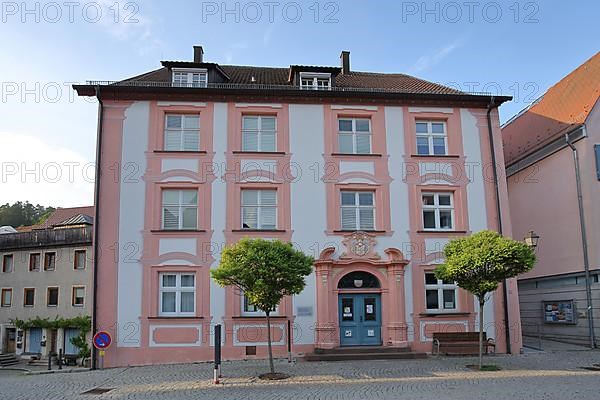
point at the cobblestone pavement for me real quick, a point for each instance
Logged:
(531, 376)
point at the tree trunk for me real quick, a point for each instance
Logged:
(271, 366)
(481, 303)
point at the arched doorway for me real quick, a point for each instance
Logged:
(359, 309)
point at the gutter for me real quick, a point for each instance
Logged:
(491, 106)
(97, 219)
(584, 243)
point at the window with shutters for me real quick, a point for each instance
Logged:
(440, 295)
(182, 132)
(438, 211)
(193, 78)
(354, 135)
(431, 138)
(177, 294)
(357, 210)
(259, 133)
(179, 209)
(259, 209)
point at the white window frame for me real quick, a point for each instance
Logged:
(181, 132)
(259, 133)
(73, 289)
(6, 290)
(258, 312)
(180, 209)
(436, 207)
(430, 136)
(357, 207)
(440, 286)
(177, 289)
(190, 72)
(315, 77)
(259, 207)
(355, 134)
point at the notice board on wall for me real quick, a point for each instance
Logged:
(560, 312)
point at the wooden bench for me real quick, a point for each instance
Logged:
(461, 343)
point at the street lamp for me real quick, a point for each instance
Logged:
(531, 239)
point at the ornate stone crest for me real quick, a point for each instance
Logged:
(359, 244)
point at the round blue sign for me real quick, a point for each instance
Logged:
(102, 340)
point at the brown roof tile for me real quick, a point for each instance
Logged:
(62, 214)
(563, 107)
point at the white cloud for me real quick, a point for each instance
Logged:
(40, 172)
(429, 60)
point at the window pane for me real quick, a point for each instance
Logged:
(250, 141)
(345, 125)
(249, 197)
(187, 280)
(363, 125)
(268, 197)
(268, 218)
(345, 143)
(189, 197)
(187, 302)
(422, 145)
(363, 144)
(347, 309)
(268, 123)
(449, 299)
(432, 299)
(444, 199)
(249, 217)
(173, 140)
(445, 219)
(173, 121)
(190, 218)
(267, 142)
(191, 141)
(168, 302)
(191, 122)
(439, 146)
(170, 217)
(170, 197)
(428, 200)
(437, 127)
(430, 279)
(370, 310)
(429, 219)
(250, 123)
(421, 127)
(348, 198)
(168, 281)
(365, 199)
(366, 218)
(348, 218)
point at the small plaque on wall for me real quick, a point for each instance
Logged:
(348, 334)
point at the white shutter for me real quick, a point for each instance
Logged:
(345, 143)
(268, 217)
(191, 140)
(249, 217)
(366, 216)
(171, 217)
(250, 141)
(348, 218)
(267, 141)
(363, 144)
(172, 140)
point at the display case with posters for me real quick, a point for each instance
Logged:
(560, 312)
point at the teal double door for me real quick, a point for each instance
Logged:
(360, 319)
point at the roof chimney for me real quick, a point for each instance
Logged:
(345, 62)
(198, 54)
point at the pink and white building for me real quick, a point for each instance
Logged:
(370, 173)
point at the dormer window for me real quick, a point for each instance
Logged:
(315, 81)
(185, 77)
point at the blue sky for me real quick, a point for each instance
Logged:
(518, 48)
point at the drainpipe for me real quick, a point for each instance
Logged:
(584, 247)
(97, 219)
(491, 106)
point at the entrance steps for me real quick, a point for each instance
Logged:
(364, 353)
(6, 360)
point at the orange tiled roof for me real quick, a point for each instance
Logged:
(563, 107)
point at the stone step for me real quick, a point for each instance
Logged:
(362, 349)
(8, 359)
(365, 356)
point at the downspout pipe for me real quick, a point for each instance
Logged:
(491, 107)
(97, 220)
(584, 246)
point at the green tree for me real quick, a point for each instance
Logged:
(478, 263)
(20, 214)
(265, 271)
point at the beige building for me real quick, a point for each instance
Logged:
(46, 273)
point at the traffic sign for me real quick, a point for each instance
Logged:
(102, 340)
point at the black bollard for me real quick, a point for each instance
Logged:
(60, 356)
(49, 362)
(217, 372)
